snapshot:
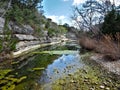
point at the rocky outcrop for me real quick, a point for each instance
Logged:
(71, 35)
(23, 37)
(22, 44)
(24, 34)
(16, 29)
(28, 49)
(23, 29)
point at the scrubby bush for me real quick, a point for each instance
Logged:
(106, 45)
(87, 43)
(109, 47)
(7, 41)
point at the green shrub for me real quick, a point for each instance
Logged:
(111, 23)
(51, 32)
(7, 41)
(15, 14)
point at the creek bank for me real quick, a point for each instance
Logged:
(110, 66)
(88, 77)
(85, 80)
(26, 39)
(20, 55)
(29, 49)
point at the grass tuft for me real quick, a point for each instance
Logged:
(107, 45)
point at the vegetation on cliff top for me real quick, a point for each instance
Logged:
(26, 12)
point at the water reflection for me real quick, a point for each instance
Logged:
(64, 65)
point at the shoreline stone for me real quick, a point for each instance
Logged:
(29, 49)
(111, 66)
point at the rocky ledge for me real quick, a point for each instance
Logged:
(26, 39)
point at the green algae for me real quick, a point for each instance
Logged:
(37, 68)
(84, 80)
(33, 71)
(8, 81)
(57, 52)
(90, 77)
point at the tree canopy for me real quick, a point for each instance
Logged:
(98, 16)
(19, 10)
(111, 24)
(90, 13)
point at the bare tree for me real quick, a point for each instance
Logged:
(91, 13)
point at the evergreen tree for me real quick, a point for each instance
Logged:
(111, 23)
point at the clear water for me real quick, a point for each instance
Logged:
(44, 70)
(62, 66)
(56, 66)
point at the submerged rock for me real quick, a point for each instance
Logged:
(107, 88)
(102, 87)
(92, 89)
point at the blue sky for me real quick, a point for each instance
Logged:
(60, 11)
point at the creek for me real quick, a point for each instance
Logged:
(57, 67)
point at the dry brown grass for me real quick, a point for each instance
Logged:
(106, 46)
(87, 43)
(109, 47)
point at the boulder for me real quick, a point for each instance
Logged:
(23, 44)
(16, 29)
(71, 35)
(23, 29)
(28, 29)
(23, 37)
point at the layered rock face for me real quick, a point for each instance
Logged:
(25, 35)
(16, 29)
(25, 41)
(24, 29)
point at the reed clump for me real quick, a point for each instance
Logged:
(107, 45)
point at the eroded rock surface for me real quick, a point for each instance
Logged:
(23, 29)
(23, 37)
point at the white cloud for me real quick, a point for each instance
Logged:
(58, 19)
(61, 17)
(78, 2)
(53, 17)
(117, 2)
